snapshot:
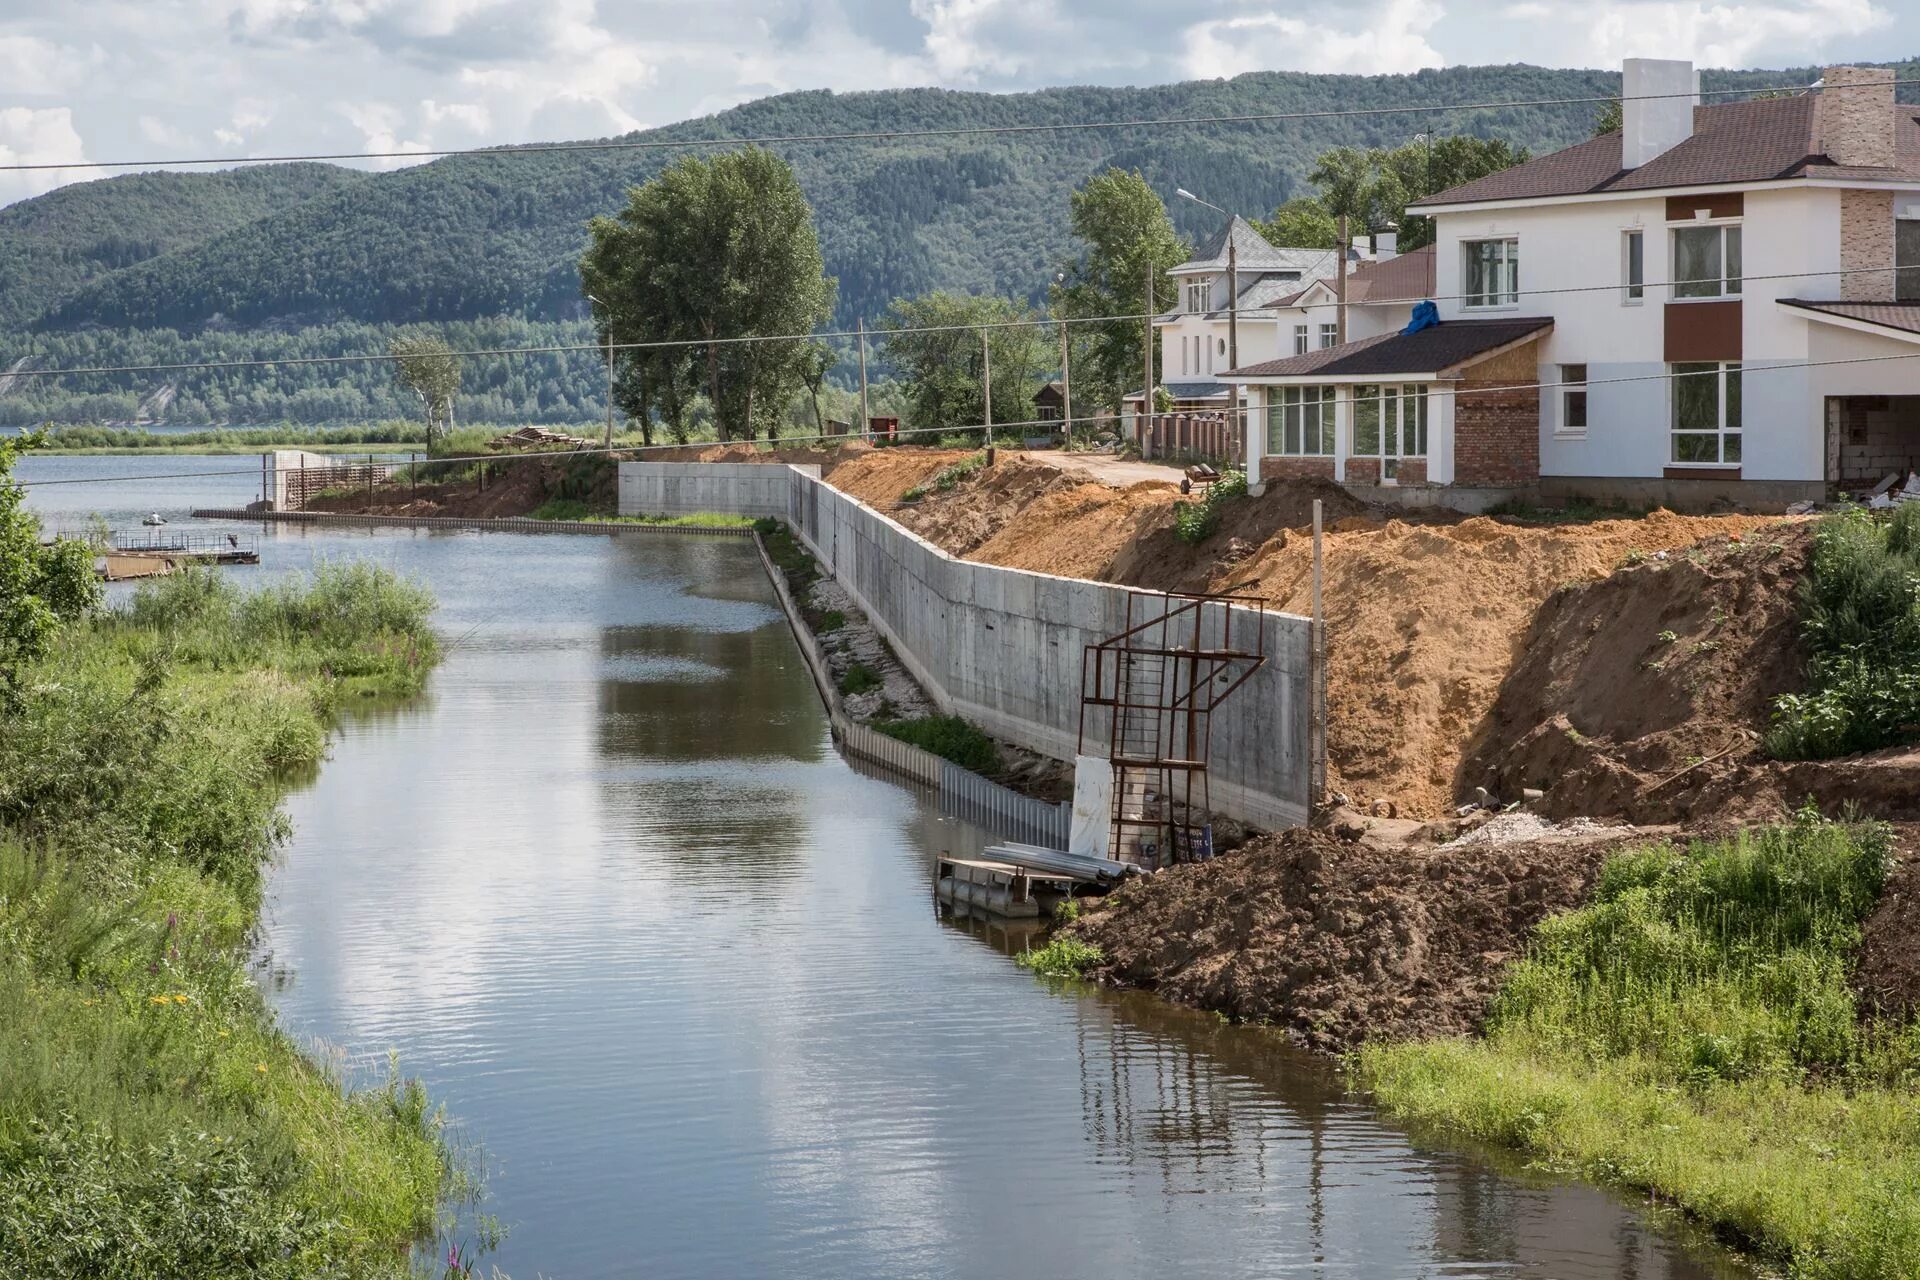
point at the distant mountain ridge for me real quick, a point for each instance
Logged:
(284, 248)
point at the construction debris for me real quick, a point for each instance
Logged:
(538, 438)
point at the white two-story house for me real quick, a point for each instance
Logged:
(1716, 301)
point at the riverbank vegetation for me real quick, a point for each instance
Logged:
(1860, 623)
(1693, 1033)
(154, 1121)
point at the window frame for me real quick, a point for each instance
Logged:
(1906, 279)
(1572, 388)
(1728, 285)
(1633, 274)
(1280, 399)
(1302, 339)
(1728, 392)
(1329, 335)
(1400, 395)
(1505, 298)
(1205, 288)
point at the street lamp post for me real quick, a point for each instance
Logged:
(609, 310)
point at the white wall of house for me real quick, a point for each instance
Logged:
(1789, 237)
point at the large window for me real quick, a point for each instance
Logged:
(1633, 266)
(1390, 423)
(1197, 292)
(1706, 262)
(1906, 259)
(1300, 421)
(1492, 272)
(1300, 332)
(1706, 414)
(1573, 399)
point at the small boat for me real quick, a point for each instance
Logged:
(154, 519)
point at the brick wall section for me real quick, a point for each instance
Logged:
(1272, 469)
(1412, 471)
(1496, 434)
(1854, 125)
(1866, 245)
(1363, 471)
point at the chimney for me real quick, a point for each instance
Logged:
(1657, 98)
(1853, 117)
(1386, 244)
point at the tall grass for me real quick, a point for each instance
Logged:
(1860, 622)
(1196, 521)
(1693, 1032)
(153, 1120)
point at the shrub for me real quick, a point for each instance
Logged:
(1860, 621)
(948, 737)
(1195, 522)
(858, 679)
(1062, 957)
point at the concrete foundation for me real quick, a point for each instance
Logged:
(1681, 495)
(1003, 647)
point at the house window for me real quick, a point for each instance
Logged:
(1706, 261)
(1197, 292)
(1492, 272)
(1633, 265)
(1300, 332)
(1573, 399)
(1329, 334)
(1390, 423)
(1906, 259)
(1300, 422)
(1706, 414)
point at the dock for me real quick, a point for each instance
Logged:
(150, 554)
(1017, 881)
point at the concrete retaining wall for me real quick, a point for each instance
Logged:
(1003, 647)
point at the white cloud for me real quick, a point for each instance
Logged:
(43, 135)
(35, 67)
(1389, 38)
(471, 116)
(1726, 35)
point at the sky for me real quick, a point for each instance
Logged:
(156, 79)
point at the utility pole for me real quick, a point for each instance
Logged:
(986, 392)
(609, 442)
(1235, 421)
(866, 423)
(1066, 383)
(1340, 288)
(1146, 393)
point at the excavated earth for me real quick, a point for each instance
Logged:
(1335, 942)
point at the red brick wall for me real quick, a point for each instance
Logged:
(1412, 471)
(1496, 435)
(1363, 471)
(1296, 468)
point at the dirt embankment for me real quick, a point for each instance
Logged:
(1333, 942)
(512, 485)
(1425, 616)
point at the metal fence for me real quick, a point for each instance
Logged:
(963, 794)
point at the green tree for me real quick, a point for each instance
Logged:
(1301, 223)
(1418, 169)
(1125, 231)
(711, 252)
(933, 343)
(428, 368)
(1355, 186)
(41, 585)
(1608, 119)
(813, 364)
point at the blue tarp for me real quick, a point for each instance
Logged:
(1425, 316)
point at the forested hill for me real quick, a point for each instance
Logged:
(470, 237)
(52, 246)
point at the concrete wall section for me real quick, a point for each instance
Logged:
(679, 489)
(1003, 647)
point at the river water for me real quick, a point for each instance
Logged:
(674, 968)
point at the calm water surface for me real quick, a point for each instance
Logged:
(674, 966)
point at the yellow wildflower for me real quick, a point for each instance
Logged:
(261, 1068)
(180, 999)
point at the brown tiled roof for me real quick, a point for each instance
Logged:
(1407, 278)
(1904, 316)
(1756, 141)
(1431, 350)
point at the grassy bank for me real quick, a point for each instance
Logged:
(574, 509)
(154, 1122)
(1692, 1033)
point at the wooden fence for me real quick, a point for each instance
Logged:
(1205, 436)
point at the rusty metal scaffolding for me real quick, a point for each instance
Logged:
(1156, 685)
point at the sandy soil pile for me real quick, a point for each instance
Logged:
(1337, 942)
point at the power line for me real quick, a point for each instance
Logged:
(1050, 423)
(599, 348)
(890, 135)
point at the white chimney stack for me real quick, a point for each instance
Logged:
(1657, 98)
(1386, 245)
